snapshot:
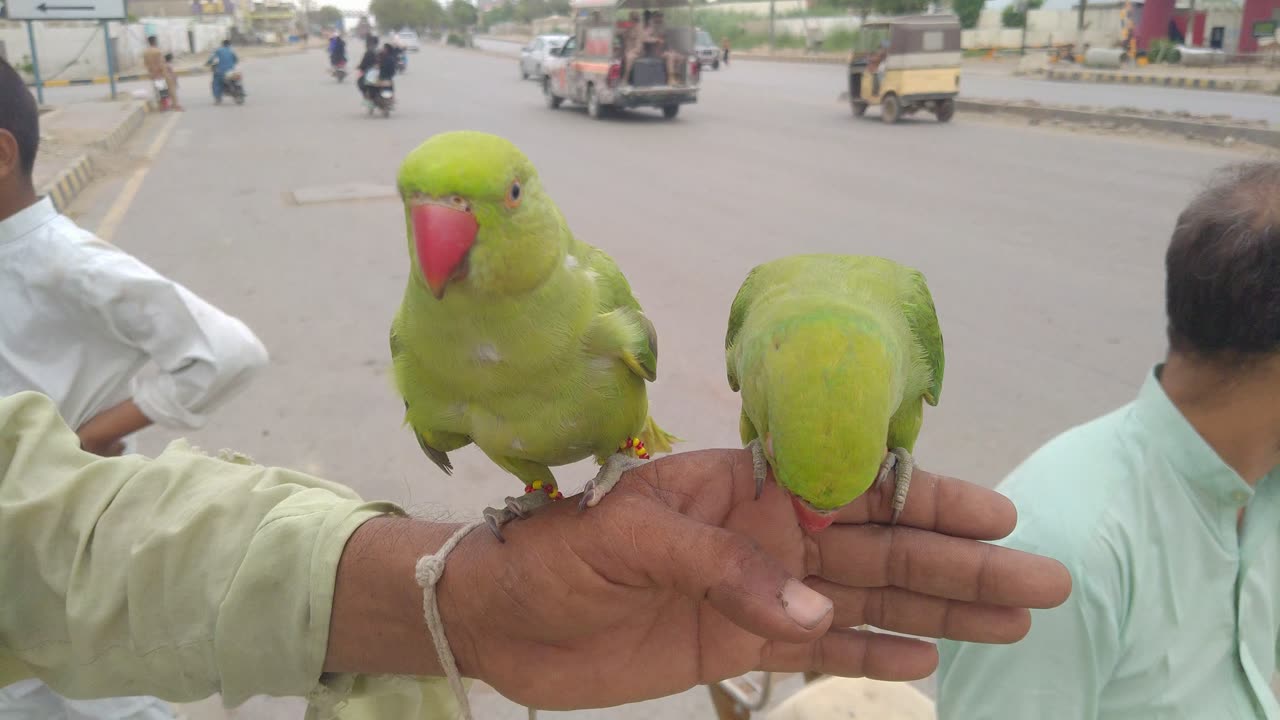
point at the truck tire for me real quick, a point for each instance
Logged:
(594, 108)
(945, 110)
(890, 109)
(553, 100)
(670, 111)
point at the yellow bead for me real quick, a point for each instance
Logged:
(537, 484)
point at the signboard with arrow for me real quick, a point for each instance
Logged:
(64, 9)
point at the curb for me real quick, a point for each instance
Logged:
(69, 183)
(1187, 128)
(1174, 81)
(72, 181)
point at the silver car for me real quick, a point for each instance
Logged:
(707, 51)
(533, 54)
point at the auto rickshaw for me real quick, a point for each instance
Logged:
(905, 65)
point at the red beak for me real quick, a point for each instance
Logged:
(811, 520)
(443, 236)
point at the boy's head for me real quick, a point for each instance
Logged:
(153, 41)
(226, 43)
(1222, 291)
(19, 138)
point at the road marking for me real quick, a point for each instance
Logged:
(111, 221)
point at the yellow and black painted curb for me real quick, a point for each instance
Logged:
(69, 183)
(1174, 81)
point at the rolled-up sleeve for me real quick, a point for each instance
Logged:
(178, 577)
(203, 355)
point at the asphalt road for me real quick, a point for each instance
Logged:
(979, 81)
(1043, 250)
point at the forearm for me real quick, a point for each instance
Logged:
(377, 624)
(112, 424)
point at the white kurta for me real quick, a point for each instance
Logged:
(79, 321)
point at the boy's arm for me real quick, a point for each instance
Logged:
(105, 432)
(204, 355)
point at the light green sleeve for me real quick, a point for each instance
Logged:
(177, 577)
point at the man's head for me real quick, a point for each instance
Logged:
(19, 138)
(1222, 291)
(153, 41)
(226, 43)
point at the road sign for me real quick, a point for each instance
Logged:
(65, 9)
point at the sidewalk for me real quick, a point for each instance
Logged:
(186, 66)
(72, 135)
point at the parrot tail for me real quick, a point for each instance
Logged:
(655, 438)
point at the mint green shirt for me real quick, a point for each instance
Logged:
(1174, 612)
(177, 577)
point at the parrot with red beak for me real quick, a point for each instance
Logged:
(513, 334)
(834, 357)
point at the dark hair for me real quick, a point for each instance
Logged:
(226, 43)
(152, 40)
(19, 116)
(1222, 291)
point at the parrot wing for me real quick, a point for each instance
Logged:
(917, 305)
(622, 328)
(737, 316)
(436, 445)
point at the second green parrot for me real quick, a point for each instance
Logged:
(834, 356)
(513, 334)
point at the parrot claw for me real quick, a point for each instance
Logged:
(600, 485)
(759, 465)
(901, 462)
(516, 509)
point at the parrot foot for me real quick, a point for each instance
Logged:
(600, 485)
(759, 465)
(516, 509)
(901, 462)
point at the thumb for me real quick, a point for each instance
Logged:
(740, 580)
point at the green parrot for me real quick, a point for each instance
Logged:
(513, 334)
(834, 356)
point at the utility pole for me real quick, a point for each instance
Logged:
(1080, 28)
(1026, 20)
(1191, 25)
(771, 45)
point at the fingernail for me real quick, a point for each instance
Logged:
(805, 606)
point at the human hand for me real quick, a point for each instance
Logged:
(106, 447)
(680, 577)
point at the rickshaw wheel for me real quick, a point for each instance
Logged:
(670, 111)
(594, 108)
(946, 110)
(890, 108)
(859, 108)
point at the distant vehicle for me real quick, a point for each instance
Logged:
(707, 51)
(536, 52)
(409, 40)
(905, 65)
(589, 68)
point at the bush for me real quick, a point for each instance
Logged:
(1163, 50)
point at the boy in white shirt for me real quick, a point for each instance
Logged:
(79, 320)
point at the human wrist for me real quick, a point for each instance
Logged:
(377, 623)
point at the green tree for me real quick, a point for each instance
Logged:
(328, 15)
(416, 14)
(462, 14)
(1013, 15)
(968, 11)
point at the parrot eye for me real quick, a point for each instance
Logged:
(514, 195)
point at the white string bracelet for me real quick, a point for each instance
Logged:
(428, 572)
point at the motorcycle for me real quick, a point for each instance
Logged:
(162, 94)
(380, 95)
(339, 70)
(233, 85)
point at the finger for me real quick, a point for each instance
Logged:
(742, 582)
(912, 613)
(939, 503)
(855, 653)
(939, 565)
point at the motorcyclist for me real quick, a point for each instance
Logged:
(223, 61)
(367, 63)
(388, 62)
(337, 50)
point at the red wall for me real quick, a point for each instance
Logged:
(1196, 40)
(1155, 21)
(1255, 10)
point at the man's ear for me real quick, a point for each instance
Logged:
(10, 161)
